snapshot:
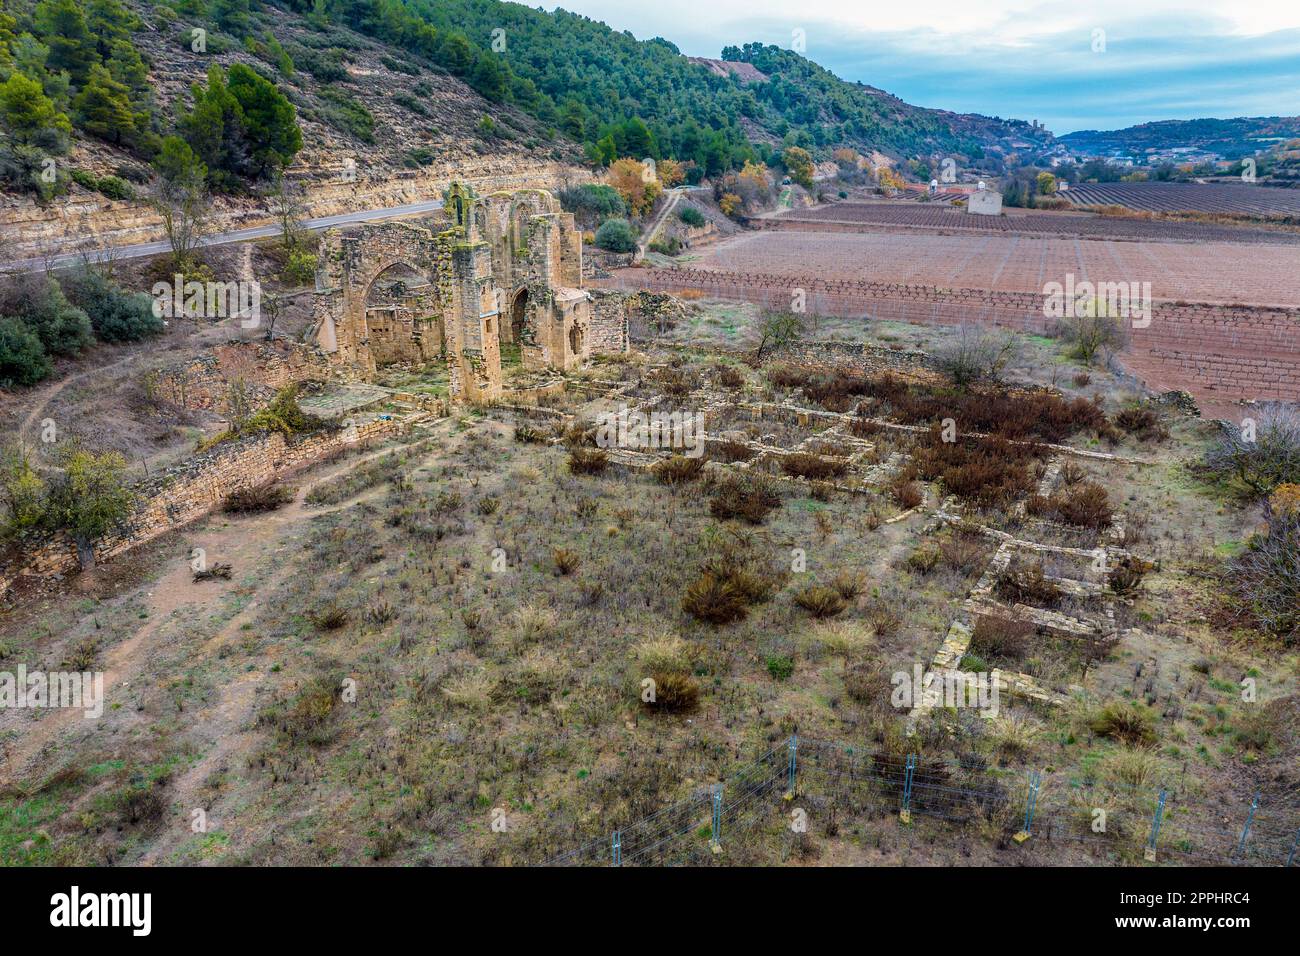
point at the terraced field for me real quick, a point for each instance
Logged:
(873, 217)
(1192, 197)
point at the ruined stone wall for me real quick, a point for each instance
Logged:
(192, 489)
(265, 367)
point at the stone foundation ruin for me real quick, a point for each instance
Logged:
(507, 273)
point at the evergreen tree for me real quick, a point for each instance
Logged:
(103, 108)
(61, 24)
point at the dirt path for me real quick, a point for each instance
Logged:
(49, 393)
(243, 543)
(656, 224)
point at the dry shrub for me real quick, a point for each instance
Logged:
(587, 461)
(1084, 504)
(987, 472)
(963, 552)
(579, 436)
(820, 601)
(729, 377)
(1142, 423)
(884, 620)
(906, 492)
(813, 467)
(868, 683)
(566, 560)
(678, 470)
(748, 497)
(728, 583)
(329, 616)
(1040, 416)
(529, 434)
(264, 497)
(1027, 585)
(1264, 580)
(677, 382)
(730, 451)
(1125, 577)
(924, 559)
(1001, 637)
(714, 600)
(1126, 721)
(848, 584)
(674, 692)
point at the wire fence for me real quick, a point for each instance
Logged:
(1052, 812)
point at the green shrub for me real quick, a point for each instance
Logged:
(300, 267)
(592, 201)
(780, 667)
(691, 216)
(22, 357)
(115, 315)
(347, 114)
(616, 235)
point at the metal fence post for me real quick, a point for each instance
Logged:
(1031, 800)
(794, 749)
(716, 843)
(616, 848)
(1250, 818)
(1150, 852)
(905, 814)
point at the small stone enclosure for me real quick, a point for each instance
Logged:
(507, 274)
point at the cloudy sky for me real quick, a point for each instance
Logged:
(1029, 59)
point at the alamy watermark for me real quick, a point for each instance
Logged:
(677, 431)
(1079, 300)
(83, 690)
(209, 300)
(947, 688)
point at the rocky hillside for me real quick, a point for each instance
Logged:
(379, 129)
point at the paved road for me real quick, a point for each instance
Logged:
(238, 235)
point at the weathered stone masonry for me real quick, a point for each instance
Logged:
(508, 272)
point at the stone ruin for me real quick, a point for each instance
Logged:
(507, 273)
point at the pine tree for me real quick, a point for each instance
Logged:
(62, 26)
(103, 108)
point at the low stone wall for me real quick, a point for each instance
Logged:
(264, 367)
(192, 489)
(839, 355)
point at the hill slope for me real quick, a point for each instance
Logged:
(1230, 138)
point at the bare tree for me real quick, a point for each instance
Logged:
(777, 330)
(1263, 452)
(285, 201)
(1093, 329)
(1266, 577)
(976, 354)
(183, 202)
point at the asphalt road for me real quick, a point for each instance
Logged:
(238, 235)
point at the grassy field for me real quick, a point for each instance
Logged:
(438, 650)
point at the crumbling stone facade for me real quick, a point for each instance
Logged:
(507, 272)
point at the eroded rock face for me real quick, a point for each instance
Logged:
(506, 272)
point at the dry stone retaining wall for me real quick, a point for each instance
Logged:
(1243, 351)
(190, 490)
